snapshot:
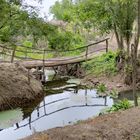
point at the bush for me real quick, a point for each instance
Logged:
(113, 94)
(101, 88)
(121, 105)
(104, 64)
(65, 40)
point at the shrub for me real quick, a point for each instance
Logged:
(113, 93)
(64, 40)
(121, 105)
(101, 88)
(104, 64)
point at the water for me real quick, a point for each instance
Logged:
(65, 104)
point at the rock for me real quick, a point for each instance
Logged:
(138, 86)
(95, 82)
(119, 85)
(33, 70)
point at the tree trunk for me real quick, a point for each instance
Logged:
(117, 36)
(120, 58)
(134, 73)
(134, 48)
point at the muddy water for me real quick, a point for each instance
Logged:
(65, 103)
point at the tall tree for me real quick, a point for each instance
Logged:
(135, 54)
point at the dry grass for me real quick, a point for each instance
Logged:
(38, 136)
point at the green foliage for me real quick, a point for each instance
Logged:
(121, 105)
(101, 88)
(65, 40)
(128, 69)
(113, 93)
(27, 43)
(63, 10)
(17, 23)
(105, 14)
(104, 64)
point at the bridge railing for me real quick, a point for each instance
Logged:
(27, 53)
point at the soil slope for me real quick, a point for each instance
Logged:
(123, 125)
(15, 88)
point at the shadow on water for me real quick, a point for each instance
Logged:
(65, 103)
(127, 95)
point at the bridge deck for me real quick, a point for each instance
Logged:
(56, 61)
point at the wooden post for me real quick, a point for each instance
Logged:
(105, 101)
(3, 52)
(29, 76)
(13, 54)
(43, 78)
(106, 45)
(26, 54)
(54, 70)
(30, 122)
(86, 53)
(86, 103)
(44, 107)
(17, 125)
(37, 111)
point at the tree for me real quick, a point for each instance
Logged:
(63, 10)
(135, 54)
(17, 23)
(118, 16)
(111, 15)
(65, 40)
(106, 16)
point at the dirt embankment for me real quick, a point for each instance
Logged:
(16, 89)
(124, 125)
(112, 82)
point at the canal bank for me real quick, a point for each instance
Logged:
(18, 88)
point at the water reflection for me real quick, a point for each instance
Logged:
(73, 103)
(127, 95)
(86, 99)
(59, 110)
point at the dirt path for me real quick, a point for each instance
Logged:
(123, 125)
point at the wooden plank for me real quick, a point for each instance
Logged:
(34, 64)
(58, 61)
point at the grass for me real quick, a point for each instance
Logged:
(38, 136)
(36, 55)
(104, 64)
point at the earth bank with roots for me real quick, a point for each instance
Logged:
(16, 89)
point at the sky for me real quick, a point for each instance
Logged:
(44, 7)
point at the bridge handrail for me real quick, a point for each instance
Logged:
(46, 50)
(29, 58)
(43, 53)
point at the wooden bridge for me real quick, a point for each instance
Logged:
(21, 55)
